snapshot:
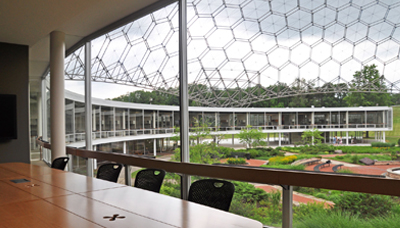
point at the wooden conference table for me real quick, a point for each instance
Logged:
(54, 198)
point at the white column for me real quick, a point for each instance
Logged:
(280, 140)
(233, 139)
(347, 138)
(88, 108)
(57, 100)
(383, 136)
(154, 147)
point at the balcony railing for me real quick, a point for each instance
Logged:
(285, 178)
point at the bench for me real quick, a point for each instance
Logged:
(337, 167)
(312, 162)
(322, 165)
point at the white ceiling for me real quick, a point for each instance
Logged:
(29, 22)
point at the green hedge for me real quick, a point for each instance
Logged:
(236, 161)
(382, 144)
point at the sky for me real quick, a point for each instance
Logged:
(233, 46)
(100, 89)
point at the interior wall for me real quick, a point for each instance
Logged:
(14, 79)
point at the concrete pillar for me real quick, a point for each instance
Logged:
(279, 139)
(347, 138)
(233, 140)
(57, 100)
(154, 147)
(383, 136)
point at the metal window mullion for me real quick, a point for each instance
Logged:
(88, 106)
(183, 96)
(73, 121)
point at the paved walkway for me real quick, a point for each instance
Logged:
(297, 197)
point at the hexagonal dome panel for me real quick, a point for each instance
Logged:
(239, 44)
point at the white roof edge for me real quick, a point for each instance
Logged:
(118, 104)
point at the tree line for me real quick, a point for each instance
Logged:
(367, 76)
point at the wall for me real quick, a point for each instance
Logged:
(14, 79)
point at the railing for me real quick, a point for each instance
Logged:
(285, 178)
(70, 138)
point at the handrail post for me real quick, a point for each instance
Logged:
(287, 206)
(128, 180)
(183, 96)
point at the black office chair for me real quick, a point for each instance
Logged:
(213, 193)
(150, 179)
(109, 172)
(60, 163)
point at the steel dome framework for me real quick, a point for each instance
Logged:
(242, 51)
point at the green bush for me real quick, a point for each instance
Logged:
(355, 159)
(348, 171)
(236, 161)
(382, 144)
(253, 153)
(398, 142)
(364, 205)
(225, 151)
(291, 167)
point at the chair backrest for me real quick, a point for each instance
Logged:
(109, 172)
(150, 179)
(60, 163)
(213, 193)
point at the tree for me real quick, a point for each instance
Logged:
(251, 136)
(199, 131)
(312, 137)
(368, 77)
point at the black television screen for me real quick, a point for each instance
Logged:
(8, 116)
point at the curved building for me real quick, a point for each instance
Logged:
(147, 128)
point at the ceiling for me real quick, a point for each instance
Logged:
(28, 22)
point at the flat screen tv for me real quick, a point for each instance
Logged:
(8, 116)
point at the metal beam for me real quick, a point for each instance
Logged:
(88, 106)
(183, 96)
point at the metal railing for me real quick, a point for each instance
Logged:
(284, 178)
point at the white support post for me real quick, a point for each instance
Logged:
(127, 168)
(347, 138)
(57, 100)
(233, 140)
(383, 136)
(154, 147)
(279, 138)
(183, 95)
(88, 107)
(287, 206)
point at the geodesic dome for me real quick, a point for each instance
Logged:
(237, 47)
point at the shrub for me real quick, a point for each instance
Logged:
(354, 159)
(382, 144)
(253, 153)
(364, 205)
(283, 160)
(236, 161)
(292, 167)
(348, 171)
(398, 142)
(225, 151)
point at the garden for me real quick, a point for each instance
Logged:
(350, 209)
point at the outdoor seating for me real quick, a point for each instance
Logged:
(213, 193)
(150, 179)
(109, 172)
(60, 163)
(322, 165)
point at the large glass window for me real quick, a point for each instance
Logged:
(322, 119)
(257, 119)
(356, 119)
